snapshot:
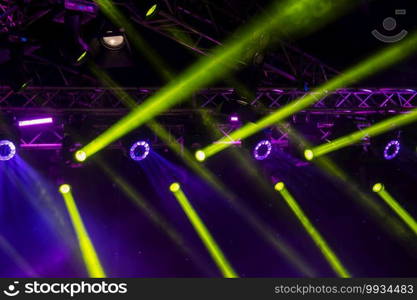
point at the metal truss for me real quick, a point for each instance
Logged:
(100, 100)
(288, 62)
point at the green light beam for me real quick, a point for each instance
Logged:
(89, 254)
(216, 253)
(375, 63)
(325, 249)
(374, 130)
(290, 16)
(395, 206)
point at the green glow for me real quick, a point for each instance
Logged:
(90, 257)
(315, 235)
(216, 253)
(378, 187)
(290, 16)
(200, 155)
(151, 10)
(175, 187)
(279, 186)
(375, 63)
(65, 188)
(377, 129)
(81, 56)
(80, 156)
(398, 209)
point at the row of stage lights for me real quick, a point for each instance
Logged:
(140, 150)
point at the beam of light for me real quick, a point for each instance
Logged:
(325, 249)
(15, 255)
(89, 254)
(117, 18)
(35, 122)
(267, 233)
(375, 63)
(291, 16)
(216, 253)
(380, 189)
(374, 130)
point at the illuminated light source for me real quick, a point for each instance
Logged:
(7, 150)
(88, 252)
(80, 155)
(175, 187)
(392, 149)
(325, 249)
(151, 11)
(81, 57)
(279, 186)
(308, 154)
(234, 118)
(113, 41)
(262, 150)
(81, 5)
(378, 187)
(139, 150)
(65, 188)
(35, 122)
(200, 155)
(395, 206)
(216, 253)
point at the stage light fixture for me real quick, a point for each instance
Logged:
(378, 187)
(140, 150)
(113, 41)
(80, 156)
(7, 150)
(200, 155)
(234, 118)
(392, 149)
(262, 150)
(279, 186)
(64, 188)
(308, 154)
(35, 122)
(174, 187)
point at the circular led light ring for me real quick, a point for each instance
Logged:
(392, 146)
(264, 143)
(12, 149)
(145, 153)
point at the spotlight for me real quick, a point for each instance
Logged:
(139, 150)
(262, 150)
(65, 189)
(279, 186)
(378, 187)
(308, 154)
(174, 187)
(392, 149)
(7, 150)
(113, 41)
(234, 118)
(80, 156)
(200, 155)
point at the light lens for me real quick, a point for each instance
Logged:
(80, 156)
(200, 155)
(378, 187)
(113, 42)
(392, 149)
(139, 150)
(308, 154)
(262, 150)
(7, 150)
(175, 187)
(279, 186)
(65, 188)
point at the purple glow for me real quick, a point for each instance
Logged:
(234, 118)
(139, 150)
(80, 5)
(392, 149)
(262, 150)
(35, 122)
(7, 150)
(41, 146)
